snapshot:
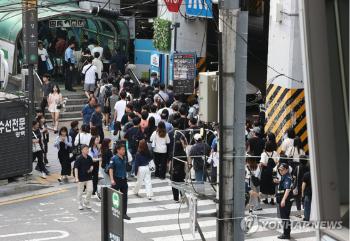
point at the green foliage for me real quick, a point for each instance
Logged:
(161, 34)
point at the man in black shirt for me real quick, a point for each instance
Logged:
(134, 135)
(46, 88)
(83, 167)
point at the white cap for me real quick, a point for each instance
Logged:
(197, 136)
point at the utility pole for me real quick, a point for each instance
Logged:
(30, 42)
(232, 103)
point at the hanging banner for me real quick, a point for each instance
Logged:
(199, 8)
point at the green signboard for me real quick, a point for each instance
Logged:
(112, 215)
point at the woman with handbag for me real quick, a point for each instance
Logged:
(95, 154)
(143, 168)
(253, 172)
(55, 102)
(160, 139)
(37, 148)
(64, 144)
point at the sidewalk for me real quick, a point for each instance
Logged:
(28, 184)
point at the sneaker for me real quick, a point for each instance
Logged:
(258, 209)
(59, 180)
(88, 206)
(94, 196)
(126, 217)
(43, 175)
(47, 165)
(266, 201)
(81, 207)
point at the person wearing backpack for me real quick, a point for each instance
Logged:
(268, 161)
(253, 171)
(105, 95)
(295, 152)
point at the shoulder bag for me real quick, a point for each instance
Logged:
(77, 149)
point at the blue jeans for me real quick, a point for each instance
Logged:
(199, 175)
(307, 208)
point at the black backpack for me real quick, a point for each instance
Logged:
(108, 91)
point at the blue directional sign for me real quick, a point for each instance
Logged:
(199, 8)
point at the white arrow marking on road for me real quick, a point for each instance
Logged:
(62, 235)
(65, 219)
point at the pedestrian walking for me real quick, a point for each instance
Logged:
(120, 107)
(45, 137)
(285, 199)
(83, 176)
(89, 73)
(47, 89)
(160, 139)
(63, 143)
(178, 173)
(269, 159)
(73, 132)
(88, 109)
(44, 62)
(198, 153)
(95, 154)
(106, 156)
(142, 170)
(150, 129)
(253, 172)
(37, 148)
(295, 151)
(55, 102)
(96, 121)
(288, 142)
(117, 174)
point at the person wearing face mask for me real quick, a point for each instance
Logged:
(55, 102)
(63, 143)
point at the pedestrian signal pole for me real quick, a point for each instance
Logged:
(30, 42)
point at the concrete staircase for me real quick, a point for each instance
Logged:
(75, 102)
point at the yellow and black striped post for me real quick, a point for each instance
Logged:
(285, 108)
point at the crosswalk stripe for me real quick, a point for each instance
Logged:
(154, 181)
(171, 227)
(163, 217)
(165, 207)
(154, 190)
(186, 237)
(138, 200)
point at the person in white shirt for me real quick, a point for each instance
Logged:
(296, 150)
(161, 96)
(160, 139)
(154, 114)
(99, 65)
(119, 108)
(288, 141)
(269, 159)
(252, 169)
(83, 137)
(89, 71)
(98, 49)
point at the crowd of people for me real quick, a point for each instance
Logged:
(274, 173)
(153, 129)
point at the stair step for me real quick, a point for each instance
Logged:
(75, 96)
(67, 119)
(80, 102)
(70, 108)
(70, 114)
